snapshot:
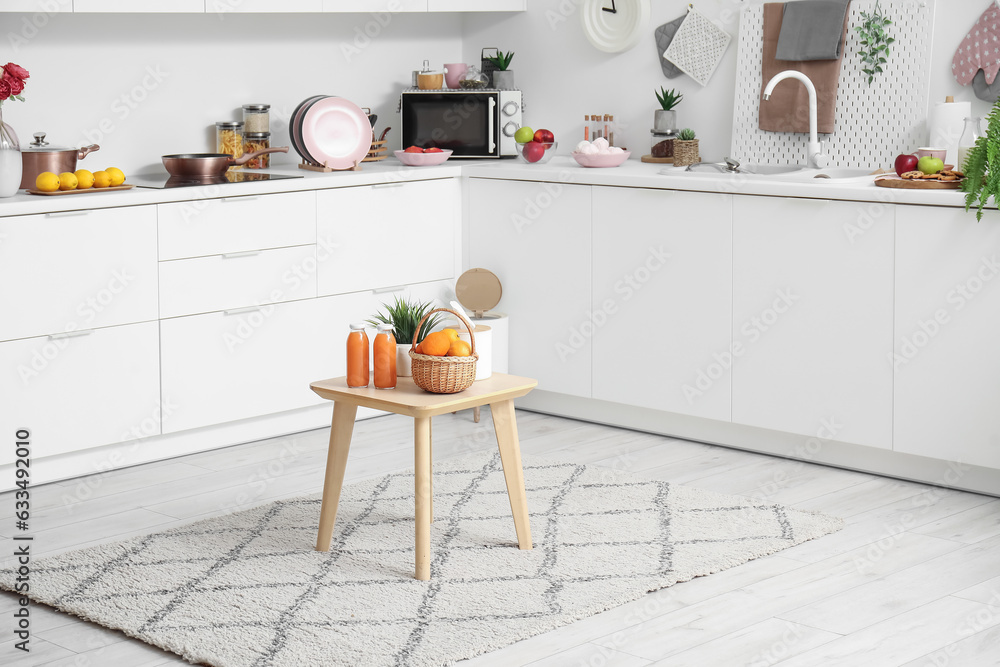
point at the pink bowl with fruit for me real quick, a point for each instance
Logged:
(600, 159)
(423, 159)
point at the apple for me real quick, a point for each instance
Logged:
(433, 149)
(414, 149)
(524, 135)
(930, 165)
(905, 163)
(533, 151)
(544, 137)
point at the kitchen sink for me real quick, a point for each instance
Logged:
(829, 174)
(732, 167)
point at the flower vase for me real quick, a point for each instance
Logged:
(10, 159)
(403, 365)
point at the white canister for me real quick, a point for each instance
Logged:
(499, 325)
(484, 348)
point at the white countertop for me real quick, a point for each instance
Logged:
(561, 169)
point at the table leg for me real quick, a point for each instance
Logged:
(422, 489)
(336, 463)
(430, 467)
(510, 456)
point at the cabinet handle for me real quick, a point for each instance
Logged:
(381, 186)
(240, 311)
(246, 198)
(65, 214)
(235, 255)
(70, 334)
(383, 290)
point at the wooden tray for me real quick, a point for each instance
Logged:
(656, 160)
(917, 184)
(80, 192)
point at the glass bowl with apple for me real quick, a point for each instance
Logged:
(535, 146)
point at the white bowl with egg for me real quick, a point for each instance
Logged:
(598, 153)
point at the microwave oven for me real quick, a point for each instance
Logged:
(472, 123)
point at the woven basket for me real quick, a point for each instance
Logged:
(443, 375)
(685, 152)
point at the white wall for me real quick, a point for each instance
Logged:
(564, 77)
(89, 71)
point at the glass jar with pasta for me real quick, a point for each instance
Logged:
(256, 141)
(229, 138)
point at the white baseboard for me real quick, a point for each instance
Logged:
(949, 474)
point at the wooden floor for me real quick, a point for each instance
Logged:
(913, 579)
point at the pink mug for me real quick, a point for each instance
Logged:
(939, 153)
(454, 73)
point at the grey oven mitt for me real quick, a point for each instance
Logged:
(985, 91)
(664, 35)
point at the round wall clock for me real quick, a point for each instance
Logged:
(614, 25)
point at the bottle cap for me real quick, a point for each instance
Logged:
(358, 326)
(385, 328)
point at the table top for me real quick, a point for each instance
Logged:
(409, 399)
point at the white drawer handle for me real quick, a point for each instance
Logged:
(70, 334)
(240, 311)
(383, 290)
(235, 255)
(65, 214)
(247, 198)
(387, 185)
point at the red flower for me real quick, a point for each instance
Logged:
(16, 85)
(16, 71)
(4, 89)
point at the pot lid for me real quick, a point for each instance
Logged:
(478, 290)
(39, 145)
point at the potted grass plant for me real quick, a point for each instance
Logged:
(503, 77)
(404, 316)
(665, 118)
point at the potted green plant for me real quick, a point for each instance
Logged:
(502, 77)
(665, 118)
(982, 167)
(686, 148)
(404, 316)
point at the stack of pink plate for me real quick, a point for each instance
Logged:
(330, 131)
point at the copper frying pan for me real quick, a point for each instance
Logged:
(202, 165)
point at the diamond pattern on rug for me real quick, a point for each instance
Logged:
(248, 590)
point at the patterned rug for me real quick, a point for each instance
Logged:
(248, 590)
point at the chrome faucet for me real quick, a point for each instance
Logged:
(817, 157)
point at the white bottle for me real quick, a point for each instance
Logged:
(970, 134)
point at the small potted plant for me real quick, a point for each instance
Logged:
(404, 316)
(502, 77)
(665, 118)
(686, 148)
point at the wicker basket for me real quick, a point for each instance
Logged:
(443, 375)
(685, 152)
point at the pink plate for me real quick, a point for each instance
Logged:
(422, 159)
(608, 160)
(336, 132)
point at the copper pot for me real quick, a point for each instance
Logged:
(39, 157)
(207, 165)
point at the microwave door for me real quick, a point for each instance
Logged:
(464, 122)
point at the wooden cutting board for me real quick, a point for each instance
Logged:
(80, 192)
(917, 184)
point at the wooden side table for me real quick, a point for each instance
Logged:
(498, 391)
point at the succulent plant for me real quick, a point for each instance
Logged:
(668, 99)
(687, 134)
(501, 61)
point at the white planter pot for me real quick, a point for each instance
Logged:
(403, 368)
(664, 120)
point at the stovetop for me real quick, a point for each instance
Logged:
(162, 180)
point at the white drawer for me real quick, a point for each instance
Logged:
(236, 280)
(233, 224)
(92, 388)
(387, 235)
(77, 270)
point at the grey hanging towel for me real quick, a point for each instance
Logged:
(664, 35)
(812, 30)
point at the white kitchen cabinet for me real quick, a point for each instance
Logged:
(35, 6)
(144, 6)
(73, 392)
(663, 298)
(477, 5)
(263, 6)
(813, 312)
(537, 238)
(378, 6)
(220, 367)
(235, 224)
(77, 270)
(946, 352)
(386, 235)
(236, 280)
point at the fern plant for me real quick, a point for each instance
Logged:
(501, 60)
(668, 99)
(875, 41)
(404, 316)
(982, 167)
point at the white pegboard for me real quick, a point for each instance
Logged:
(872, 124)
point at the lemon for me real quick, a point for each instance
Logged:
(84, 178)
(47, 182)
(117, 177)
(67, 181)
(101, 179)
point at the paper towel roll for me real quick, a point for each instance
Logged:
(484, 348)
(945, 125)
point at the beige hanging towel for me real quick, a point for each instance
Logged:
(788, 108)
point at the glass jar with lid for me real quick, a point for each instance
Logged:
(661, 144)
(229, 137)
(256, 117)
(256, 141)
